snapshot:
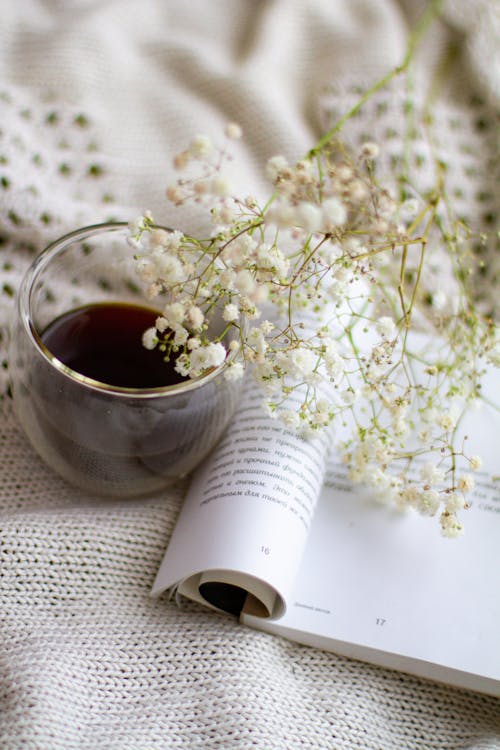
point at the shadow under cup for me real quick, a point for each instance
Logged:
(110, 440)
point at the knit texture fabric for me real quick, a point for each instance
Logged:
(95, 98)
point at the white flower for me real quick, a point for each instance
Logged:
(357, 191)
(169, 269)
(476, 462)
(409, 209)
(450, 525)
(207, 357)
(309, 216)
(161, 324)
(158, 238)
(220, 185)
(385, 327)
(439, 300)
(446, 420)
(182, 365)
(149, 338)
(257, 341)
(231, 312)
(370, 150)
(175, 194)
(428, 502)
(266, 327)
(233, 131)
(334, 214)
(349, 396)
(137, 227)
(432, 474)
(455, 501)
(181, 335)
(146, 270)
(245, 282)
(200, 146)
(378, 479)
(465, 483)
(290, 419)
(153, 290)
(303, 361)
(227, 279)
(409, 496)
(282, 214)
(275, 166)
(181, 160)
(329, 252)
(195, 317)
(174, 313)
(234, 371)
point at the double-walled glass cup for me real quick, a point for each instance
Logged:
(111, 440)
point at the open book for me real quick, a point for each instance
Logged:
(272, 531)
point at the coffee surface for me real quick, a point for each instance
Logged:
(104, 342)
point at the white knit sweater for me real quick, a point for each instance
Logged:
(95, 98)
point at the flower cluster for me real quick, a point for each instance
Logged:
(328, 293)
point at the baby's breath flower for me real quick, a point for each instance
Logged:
(370, 150)
(428, 502)
(183, 365)
(385, 327)
(465, 483)
(149, 338)
(276, 165)
(447, 421)
(475, 462)
(282, 214)
(245, 281)
(195, 317)
(220, 185)
(334, 262)
(206, 358)
(231, 312)
(302, 362)
(174, 314)
(161, 324)
(290, 418)
(234, 371)
(432, 474)
(454, 502)
(233, 131)
(308, 216)
(450, 525)
(181, 160)
(334, 214)
(175, 194)
(200, 146)
(349, 396)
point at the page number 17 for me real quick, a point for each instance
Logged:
(380, 621)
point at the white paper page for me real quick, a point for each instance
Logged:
(388, 588)
(248, 511)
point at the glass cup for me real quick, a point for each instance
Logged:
(110, 440)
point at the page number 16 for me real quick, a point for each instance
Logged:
(265, 550)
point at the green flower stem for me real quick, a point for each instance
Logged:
(428, 16)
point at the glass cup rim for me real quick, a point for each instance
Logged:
(26, 289)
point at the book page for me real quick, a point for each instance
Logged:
(386, 587)
(243, 526)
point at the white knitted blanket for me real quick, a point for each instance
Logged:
(95, 98)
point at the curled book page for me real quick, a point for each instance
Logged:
(238, 543)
